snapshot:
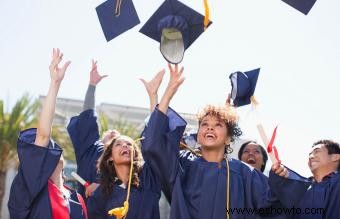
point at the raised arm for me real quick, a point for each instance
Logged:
(47, 112)
(176, 79)
(95, 78)
(162, 133)
(37, 161)
(152, 88)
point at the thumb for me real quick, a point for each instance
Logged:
(143, 81)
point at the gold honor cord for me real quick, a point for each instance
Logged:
(121, 212)
(206, 14)
(228, 176)
(228, 186)
(117, 10)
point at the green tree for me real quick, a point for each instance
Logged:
(121, 124)
(23, 115)
(61, 137)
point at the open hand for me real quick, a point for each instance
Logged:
(57, 73)
(176, 77)
(153, 85)
(95, 77)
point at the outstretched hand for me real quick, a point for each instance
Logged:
(57, 73)
(95, 77)
(153, 85)
(280, 170)
(176, 77)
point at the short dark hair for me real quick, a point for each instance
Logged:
(263, 151)
(332, 146)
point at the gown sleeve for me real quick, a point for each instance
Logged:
(160, 147)
(83, 131)
(36, 166)
(96, 205)
(289, 190)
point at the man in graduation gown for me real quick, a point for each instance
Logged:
(316, 197)
(37, 191)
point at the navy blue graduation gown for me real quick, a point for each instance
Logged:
(29, 195)
(198, 188)
(308, 196)
(143, 202)
(84, 134)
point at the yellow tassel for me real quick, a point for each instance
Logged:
(206, 14)
(120, 212)
(253, 101)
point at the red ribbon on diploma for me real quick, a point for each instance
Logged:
(271, 147)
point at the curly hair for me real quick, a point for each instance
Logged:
(107, 170)
(227, 114)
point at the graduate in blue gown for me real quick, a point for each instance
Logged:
(253, 154)
(204, 186)
(37, 191)
(317, 197)
(113, 166)
(114, 170)
(112, 191)
(256, 156)
(84, 133)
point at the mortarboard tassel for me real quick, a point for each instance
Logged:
(206, 14)
(253, 101)
(121, 212)
(117, 10)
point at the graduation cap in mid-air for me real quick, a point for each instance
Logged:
(116, 17)
(190, 138)
(176, 26)
(304, 6)
(243, 86)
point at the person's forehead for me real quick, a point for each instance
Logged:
(318, 146)
(124, 138)
(210, 117)
(252, 145)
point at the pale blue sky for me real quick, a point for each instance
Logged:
(299, 58)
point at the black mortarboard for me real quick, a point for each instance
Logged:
(303, 6)
(116, 17)
(243, 86)
(190, 138)
(176, 26)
